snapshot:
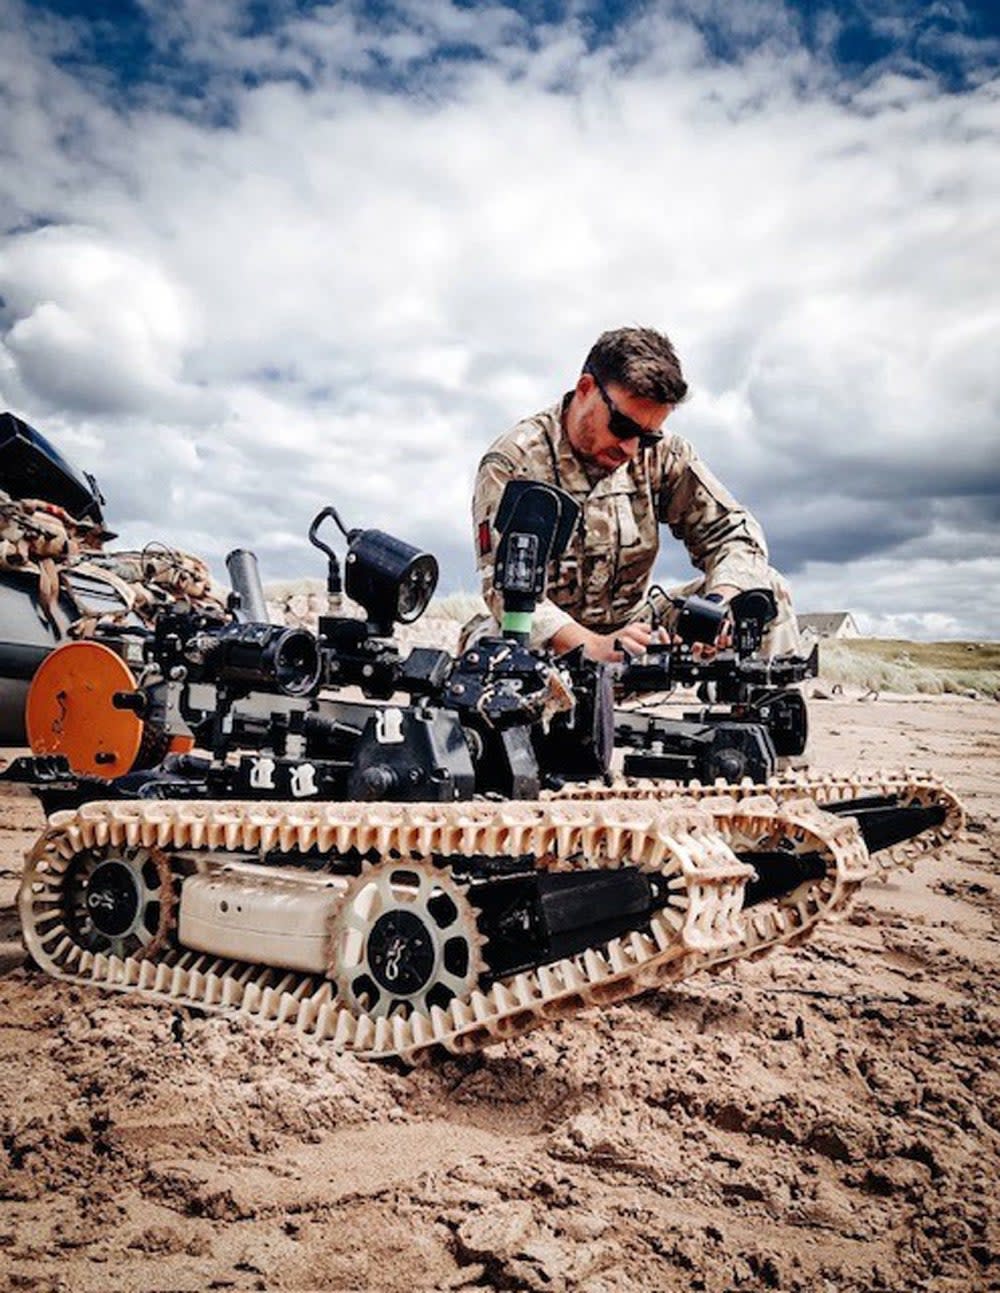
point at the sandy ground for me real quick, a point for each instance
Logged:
(823, 1120)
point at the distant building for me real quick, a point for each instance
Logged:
(829, 624)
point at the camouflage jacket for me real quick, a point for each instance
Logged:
(602, 578)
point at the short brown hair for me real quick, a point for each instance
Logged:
(640, 359)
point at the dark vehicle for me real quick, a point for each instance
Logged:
(32, 468)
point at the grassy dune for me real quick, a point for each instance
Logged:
(887, 664)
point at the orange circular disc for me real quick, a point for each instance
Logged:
(70, 711)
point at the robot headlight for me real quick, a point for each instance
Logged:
(392, 580)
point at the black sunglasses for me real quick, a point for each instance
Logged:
(621, 426)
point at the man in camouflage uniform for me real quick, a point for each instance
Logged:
(604, 443)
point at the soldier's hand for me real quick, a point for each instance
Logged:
(611, 648)
(631, 640)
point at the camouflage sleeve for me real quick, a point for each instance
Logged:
(495, 470)
(722, 538)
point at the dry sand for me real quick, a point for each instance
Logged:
(823, 1120)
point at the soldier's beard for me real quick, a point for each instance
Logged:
(590, 446)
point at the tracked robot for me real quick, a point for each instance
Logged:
(398, 853)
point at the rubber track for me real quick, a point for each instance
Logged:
(793, 788)
(792, 920)
(705, 878)
(688, 838)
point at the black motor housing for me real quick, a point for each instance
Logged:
(30, 467)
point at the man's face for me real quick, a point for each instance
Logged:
(588, 419)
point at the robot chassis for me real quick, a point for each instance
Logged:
(447, 861)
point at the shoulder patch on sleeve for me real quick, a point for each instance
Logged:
(501, 460)
(484, 539)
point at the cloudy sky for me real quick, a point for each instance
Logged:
(257, 256)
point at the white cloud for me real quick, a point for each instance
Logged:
(97, 328)
(916, 597)
(311, 286)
